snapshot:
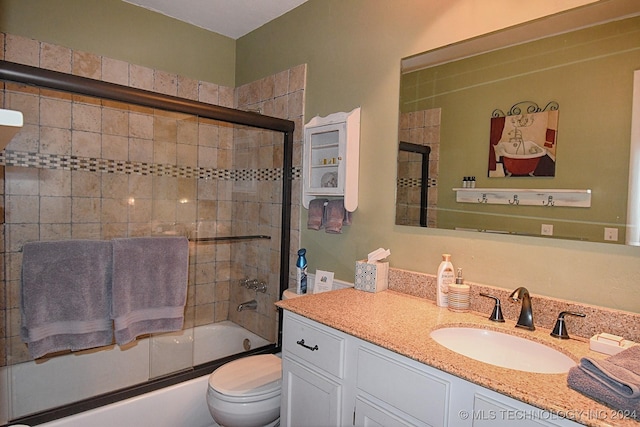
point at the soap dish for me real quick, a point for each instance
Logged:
(609, 344)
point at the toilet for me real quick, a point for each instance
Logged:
(246, 391)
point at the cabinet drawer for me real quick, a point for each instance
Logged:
(313, 343)
(403, 387)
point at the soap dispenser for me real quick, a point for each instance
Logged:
(459, 294)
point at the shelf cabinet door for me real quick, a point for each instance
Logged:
(325, 159)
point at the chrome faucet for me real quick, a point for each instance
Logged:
(254, 284)
(248, 305)
(526, 312)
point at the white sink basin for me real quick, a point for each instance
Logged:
(507, 351)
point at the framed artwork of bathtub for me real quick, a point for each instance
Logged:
(523, 142)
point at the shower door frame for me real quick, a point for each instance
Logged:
(34, 76)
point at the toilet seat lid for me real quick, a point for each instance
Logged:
(248, 376)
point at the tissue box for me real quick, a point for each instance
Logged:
(372, 277)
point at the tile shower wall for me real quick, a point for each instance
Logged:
(256, 208)
(421, 128)
(88, 168)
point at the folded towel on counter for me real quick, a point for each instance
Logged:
(66, 295)
(315, 219)
(149, 285)
(620, 372)
(614, 381)
(336, 216)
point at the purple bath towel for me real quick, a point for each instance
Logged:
(336, 216)
(614, 381)
(66, 295)
(315, 220)
(149, 285)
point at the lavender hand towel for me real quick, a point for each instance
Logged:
(65, 297)
(335, 214)
(607, 388)
(620, 372)
(315, 220)
(149, 285)
(580, 381)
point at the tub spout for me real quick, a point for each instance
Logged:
(248, 305)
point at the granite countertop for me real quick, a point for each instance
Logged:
(402, 323)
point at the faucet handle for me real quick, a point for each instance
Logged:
(496, 315)
(560, 329)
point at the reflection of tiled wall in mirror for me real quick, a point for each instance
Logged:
(422, 128)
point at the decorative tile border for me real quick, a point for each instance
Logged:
(89, 164)
(415, 182)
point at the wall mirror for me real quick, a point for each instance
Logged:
(582, 62)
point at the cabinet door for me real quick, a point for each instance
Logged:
(325, 160)
(309, 399)
(402, 386)
(496, 410)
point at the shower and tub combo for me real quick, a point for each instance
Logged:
(57, 381)
(100, 386)
(243, 392)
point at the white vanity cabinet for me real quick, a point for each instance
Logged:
(331, 158)
(396, 391)
(347, 381)
(314, 366)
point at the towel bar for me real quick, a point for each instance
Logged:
(228, 238)
(221, 239)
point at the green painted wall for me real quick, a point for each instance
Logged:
(123, 31)
(353, 50)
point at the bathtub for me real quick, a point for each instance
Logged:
(520, 157)
(35, 387)
(173, 352)
(183, 405)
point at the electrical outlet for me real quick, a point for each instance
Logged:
(546, 230)
(610, 234)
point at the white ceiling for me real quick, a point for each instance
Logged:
(231, 18)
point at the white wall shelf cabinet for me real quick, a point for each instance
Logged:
(331, 158)
(525, 197)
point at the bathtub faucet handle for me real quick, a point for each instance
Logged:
(249, 283)
(261, 286)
